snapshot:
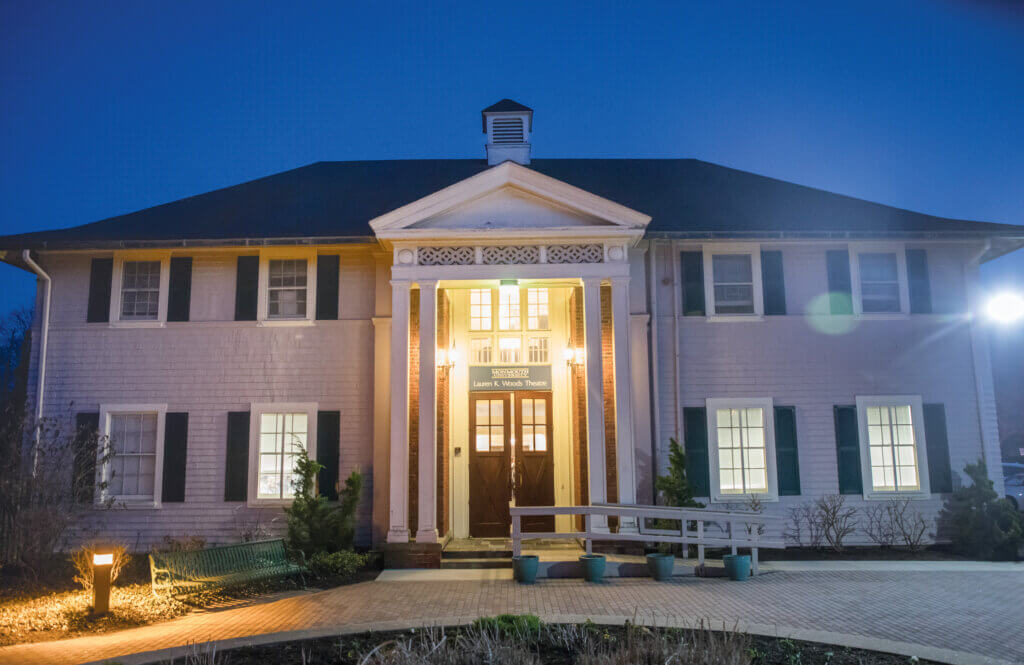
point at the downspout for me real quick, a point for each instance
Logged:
(45, 329)
(652, 298)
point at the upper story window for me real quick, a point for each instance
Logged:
(732, 280)
(892, 445)
(480, 309)
(879, 282)
(281, 432)
(287, 288)
(508, 308)
(742, 448)
(140, 290)
(537, 309)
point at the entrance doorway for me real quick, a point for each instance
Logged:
(494, 453)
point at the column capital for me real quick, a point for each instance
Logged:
(400, 283)
(619, 281)
(427, 283)
(592, 281)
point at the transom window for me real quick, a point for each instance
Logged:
(480, 309)
(132, 466)
(733, 276)
(879, 282)
(140, 291)
(481, 350)
(534, 418)
(510, 350)
(286, 288)
(742, 462)
(537, 349)
(508, 309)
(892, 449)
(282, 438)
(489, 436)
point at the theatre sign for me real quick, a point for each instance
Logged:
(510, 377)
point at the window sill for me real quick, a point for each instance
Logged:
(286, 323)
(883, 316)
(743, 498)
(716, 318)
(269, 503)
(136, 324)
(129, 504)
(885, 496)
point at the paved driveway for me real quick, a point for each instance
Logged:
(973, 615)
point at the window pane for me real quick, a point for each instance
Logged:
(140, 290)
(892, 451)
(480, 350)
(734, 299)
(286, 296)
(879, 286)
(480, 309)
(537, 309)
(732, 268)
(508, 309)
(878, 267)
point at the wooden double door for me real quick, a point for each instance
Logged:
(510, 457)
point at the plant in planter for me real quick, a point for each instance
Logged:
(675, 490)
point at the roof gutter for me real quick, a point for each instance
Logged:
(45, 328)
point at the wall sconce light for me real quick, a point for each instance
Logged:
(574, 357)
(101, 565)
(446, 358)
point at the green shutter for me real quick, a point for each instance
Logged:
(848, 450)
(175, 457)
(695, 432)
(179, 289)
(327, 287)
(773, 282)
(100, 274)
(247, 288)
(328, 445)
(236, 462)
(85, 450)
(940, 475)
(692, 268)
(840, 291)
(787, 460)
(917, 282)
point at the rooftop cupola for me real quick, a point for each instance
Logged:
(508, 125)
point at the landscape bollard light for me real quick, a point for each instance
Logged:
(101, 565)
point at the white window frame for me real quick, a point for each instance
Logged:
(284, 254)
(897, 248)
(117, 280)
(752, 249)
(256, 410)
(712, 405)
(108, 410)
(917, 418)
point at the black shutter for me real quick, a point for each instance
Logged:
(840, 291)
(692, 264)
(917, 281)
(848, 450)
(236, 462)
(328, 445)
(247, 284)
(179, 289)
(787, 460)
(695, 433)
(940, 476)
(773, 283)
(85, 450)
(175, 456)
(327, 287)
(99, 290)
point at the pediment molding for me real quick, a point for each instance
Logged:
(612, 219)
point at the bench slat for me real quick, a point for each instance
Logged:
(223, 565)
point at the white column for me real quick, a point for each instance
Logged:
(426, 531)
(595, 396)
(381, 424)
(625, 451)
(398, 523)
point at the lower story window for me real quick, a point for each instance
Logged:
(892, 448)
(283, 437)
(741, 447)
(132, 465)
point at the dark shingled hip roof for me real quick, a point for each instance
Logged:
(336, 200)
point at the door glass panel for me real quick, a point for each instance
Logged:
(490, 426)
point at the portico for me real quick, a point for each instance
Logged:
(507, 243)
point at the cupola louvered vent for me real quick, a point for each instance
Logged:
(508, 125)
(507, 130)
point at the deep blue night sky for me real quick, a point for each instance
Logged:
(115, 106)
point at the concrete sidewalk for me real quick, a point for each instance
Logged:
(959, 616)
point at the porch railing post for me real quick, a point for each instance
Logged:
(587, 533)
(517, 535)
(700, 542)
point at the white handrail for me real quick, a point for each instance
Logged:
(747, 537)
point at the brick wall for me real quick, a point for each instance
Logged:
(414, 411)
(608, 372)
(578, 404)
(443, 415)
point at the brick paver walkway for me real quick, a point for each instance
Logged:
(979, 613)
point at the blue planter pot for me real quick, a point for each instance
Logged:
(524, 568)
(737, 566)
(660, 566)
(593, 567)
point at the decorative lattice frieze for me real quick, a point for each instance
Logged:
(446, 256)
(511, 255)
(575, 254)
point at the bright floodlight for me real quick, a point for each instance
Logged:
(1005, 307)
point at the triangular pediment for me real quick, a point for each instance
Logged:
(508, 198)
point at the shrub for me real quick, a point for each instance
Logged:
(896, 523)
(979, 523)
(81, 559)
(836, 519)
(314, 524)
(675, 487)
(510, 625)
(337, 566)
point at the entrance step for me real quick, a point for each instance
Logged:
(476, 554)
(476, 562)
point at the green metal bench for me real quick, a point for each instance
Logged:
(226, 565)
